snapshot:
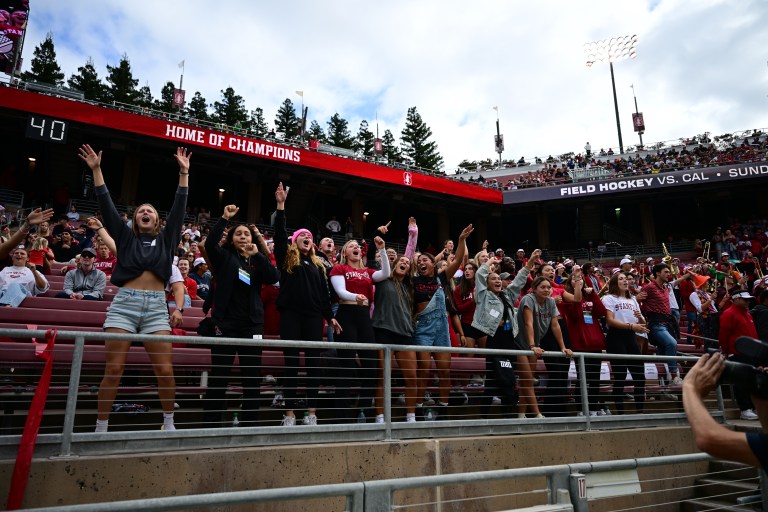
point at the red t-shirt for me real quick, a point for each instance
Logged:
(581, 319)
(658, 299)
(106, 266)
(686, 289)
(357, 280)
(734, 323)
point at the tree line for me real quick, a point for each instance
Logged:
(415, 146)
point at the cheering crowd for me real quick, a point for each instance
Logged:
(364, 292)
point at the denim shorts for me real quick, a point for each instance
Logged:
(432, 330)
(138, 311)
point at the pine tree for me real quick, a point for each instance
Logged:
(258, 123)
(122, 86)
(316, 132)
(231, 109)
(45, 69)
(198, 108)
(286, 120)
(390, 149)
(145, 97)
(364, 139)
(165, 102)
(87, 80)
(415, 143)
(338, 132)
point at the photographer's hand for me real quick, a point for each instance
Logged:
(705, 374)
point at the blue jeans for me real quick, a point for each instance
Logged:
(666, 343)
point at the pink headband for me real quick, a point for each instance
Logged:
(298, 232)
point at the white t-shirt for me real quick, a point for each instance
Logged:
(623, 309)
(22, 276)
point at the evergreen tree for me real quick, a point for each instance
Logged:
(231, 109)
(390, 149)
(145, 97)
(415, 143)
(258, 123)
(165, 102)
(198, 108)
(316, 132)
(338, 132)
(45, 69)
(364, 139)
(87, 80)
(286, 120)
(122, 86)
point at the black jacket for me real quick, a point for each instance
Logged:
(226, 265)
(760, 317)
(305, 289)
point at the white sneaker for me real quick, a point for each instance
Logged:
(309, 419)
(593, 413)
(379, 418)
(677, 381)
(278, 401)
(601, 412)
(749, 414)
(288, 421)
(269, 379)
(410, 418)
(496, 400)
(401, 399)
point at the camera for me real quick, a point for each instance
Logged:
(746, 376)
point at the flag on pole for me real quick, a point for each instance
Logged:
(181, 65)
(300, 93)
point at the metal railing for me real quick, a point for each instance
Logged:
(664, 409)
(567, 487)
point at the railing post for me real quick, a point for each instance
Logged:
(556, 481)
(387, 393)
(74, 386)
(577, 485)
(582, 374)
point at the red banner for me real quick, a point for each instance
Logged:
(189, 134)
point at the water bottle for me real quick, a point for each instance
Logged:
(235, 421)
(306, 418)
(430, 416)
(361, 417)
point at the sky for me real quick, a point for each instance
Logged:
(701, 65)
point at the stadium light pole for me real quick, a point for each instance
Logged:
(498, 140)
(612, 50)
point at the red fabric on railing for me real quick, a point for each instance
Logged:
(31, 427)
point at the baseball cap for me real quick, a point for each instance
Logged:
(89, 250)
(649, 259)
(505, 275)
(625, 260)
(198, 261)
(724, 254)
(742, 295)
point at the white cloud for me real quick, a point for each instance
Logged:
(700, 66)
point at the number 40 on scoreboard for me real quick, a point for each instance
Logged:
(47, 128)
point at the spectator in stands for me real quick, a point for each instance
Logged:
(624, 320)
(202, 277)
(333, 226)
(430, 316)
(40, 255)
(241, 267)
(20, 280)
(760, 316)
(144, 263)
(588, 149)
(661, 323)
(734, 323)
(304, 302)
(44, 231)
(446, 252)
(61, 225)
(72, 214)
(190, 286)
(496, 317)
(105, 260)
(349, 227)
(711, 437)
(464, 298)
(194, 234)
(582, 314)
(353, 283)
(85, 282)
(65, 250)
(537, 317)
(392, 325)
(203, 217)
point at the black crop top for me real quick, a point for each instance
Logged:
(145, 252)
